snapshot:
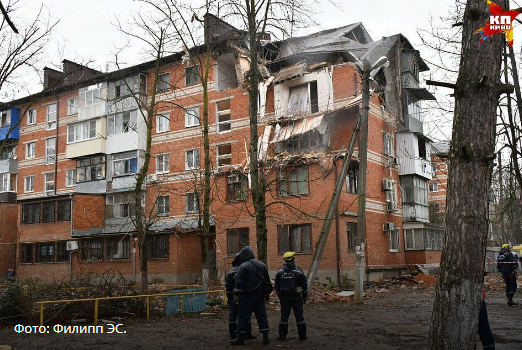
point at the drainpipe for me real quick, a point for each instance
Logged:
(337, 237)
(72, 231)
(56, 142)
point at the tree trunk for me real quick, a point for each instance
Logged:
(256, 174)
(458, 292)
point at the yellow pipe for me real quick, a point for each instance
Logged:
(181, 305)
(148, 308)
(96, 311)
(41, 314)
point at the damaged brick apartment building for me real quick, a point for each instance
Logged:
(70, 165)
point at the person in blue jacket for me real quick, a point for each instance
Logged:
(507, 263)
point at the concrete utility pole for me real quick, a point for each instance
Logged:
(368, 71)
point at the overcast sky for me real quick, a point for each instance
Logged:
(86, 29)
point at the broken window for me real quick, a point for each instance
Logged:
(303, 99)
(422, 148)
(90, 169)
(120, 205)
(237, 238)
(394, 239)
(351, 178)
(292, 182)
(223, 116)
(191, 76)
(224, 154)
(163, 84)
(351, 235)
(311, 139)
(125, 163)
(295, 238)
(122, 123)
(237, 187)
(117, 248)
(226, 76)
(388, 144)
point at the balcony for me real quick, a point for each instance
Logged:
(415, 213)
(411, 166)
(9, 166)
(9, 118)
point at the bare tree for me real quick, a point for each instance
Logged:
(22, 50)
(458, 291)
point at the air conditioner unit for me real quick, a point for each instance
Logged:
(72, 245)
(387, 184)
(391, 206)
(152, 177)
(388, 226)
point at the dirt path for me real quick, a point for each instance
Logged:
(391, 319)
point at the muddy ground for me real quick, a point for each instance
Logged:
(390, 318)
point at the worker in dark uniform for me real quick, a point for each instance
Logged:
(292, 289)
(507, 263)
(234, 307)
(248, 293)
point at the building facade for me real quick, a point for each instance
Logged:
(82, 142)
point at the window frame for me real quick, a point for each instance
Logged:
(91, 249)
(241, 239)
(192, 157)
(162, 163)
(433, 187)
(30, 150)
(192, 116)
(70, 177)
(77, 131)
(49, 184)
(29, 180)
(289, 244)
(226, 157)
(72, 106)
(388, 145)
(50, 150)
(223, 126)
(191, 204)
(159, 247)
(191, 76)
(163, 85)
(51, 116)
(290, 177)
(163, 205)
(31, 116)
(394, 240)
(164, 121)
(112, 248)
(235, 194)
(96, 166)
(122, 123)
(128, 161)
(351, 236)
(352, 178)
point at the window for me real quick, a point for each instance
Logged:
(29, 184)
(61, 253)
(50, 150)
(191, 76)
(307, 140)
(394, 240)
(125, 163)
(433, 186)
(26, 253)
(237, 238)
(91, 249)
(7, 182)
(63, 212)
(45, 252)
(162, 163)
(72, 106)
(8, 152)
(191, 116)
(31, 213)
(91, 95)
(303, 98)
(422, 148)
(163, 83)
(70, 177)
(48, 211)
(351, 178)
(51, 116)
(158, 247)
(30, 150)
(295, 238)
(31, 117)
(223, 116)
(237, 187)
(122, 123)
(117, 248)
(5, 118)
(162, 122)
(120, 205)
(90, 169)
(388, 144)
(351, 234)
(414, 190)
(49, 182)
(81, 131)
(292, 182)
(423, 239)
(192, 159)
(224, 154)
(192, 203)
(162, 205)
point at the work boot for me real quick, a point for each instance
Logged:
(232, 330)
(249, 334)
(510, 300)
(240, 340)
(283, 331)
(301, 330)
(265, 338)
